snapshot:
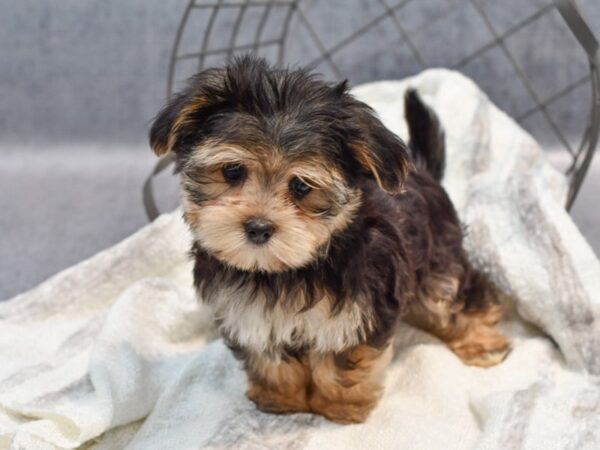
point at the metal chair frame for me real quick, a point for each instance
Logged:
(581, 156)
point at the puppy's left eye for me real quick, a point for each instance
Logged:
(299, 188)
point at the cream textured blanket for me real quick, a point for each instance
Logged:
(116, 351)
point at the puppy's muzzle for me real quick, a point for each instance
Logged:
(259, 231)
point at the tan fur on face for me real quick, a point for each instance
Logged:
(302, 227)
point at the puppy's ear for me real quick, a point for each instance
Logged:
(161, 133)
(381, 154)
(202, 91)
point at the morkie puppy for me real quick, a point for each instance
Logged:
(316, 230)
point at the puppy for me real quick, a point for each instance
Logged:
(316, 230)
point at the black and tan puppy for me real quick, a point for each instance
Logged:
(316, 230)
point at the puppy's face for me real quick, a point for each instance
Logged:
(260, 208)
(271, 162)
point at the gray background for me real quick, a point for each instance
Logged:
(80, 81)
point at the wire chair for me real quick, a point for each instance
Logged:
(397, 34)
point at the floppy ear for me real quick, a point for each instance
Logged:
(202, 90)
(161, 133)
(381, 154)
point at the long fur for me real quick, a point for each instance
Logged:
(377, 240)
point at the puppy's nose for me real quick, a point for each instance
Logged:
(259, 231)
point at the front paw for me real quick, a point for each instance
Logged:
(342, 412)
(270, 401)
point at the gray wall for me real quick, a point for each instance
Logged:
(82, 70)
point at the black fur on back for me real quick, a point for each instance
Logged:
(427, 141)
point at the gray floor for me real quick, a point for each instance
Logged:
(61, 206)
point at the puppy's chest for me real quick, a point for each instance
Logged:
(246, 319)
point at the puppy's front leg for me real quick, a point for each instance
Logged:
(278, 386)
(347, 386)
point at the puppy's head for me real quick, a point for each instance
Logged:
(272, 161)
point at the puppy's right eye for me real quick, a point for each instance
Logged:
(234, 173)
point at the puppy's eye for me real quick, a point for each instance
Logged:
(234, 173)
(299, 188)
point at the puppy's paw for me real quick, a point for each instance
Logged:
(273, 402)
(481, 345)
(341, 412)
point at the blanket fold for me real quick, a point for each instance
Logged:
(117, 352)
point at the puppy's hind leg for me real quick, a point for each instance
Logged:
(463, 315)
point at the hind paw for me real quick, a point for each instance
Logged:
(481, 346)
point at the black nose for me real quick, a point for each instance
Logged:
(259, 231)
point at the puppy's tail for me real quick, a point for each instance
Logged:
(427, 141)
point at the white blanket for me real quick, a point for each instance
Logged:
(114, 352)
